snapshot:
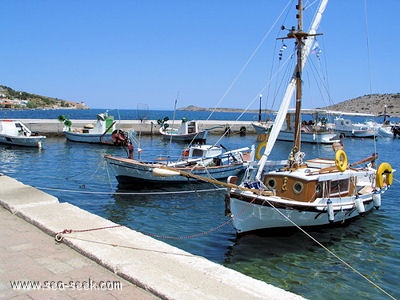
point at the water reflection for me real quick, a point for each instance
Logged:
(349, 249)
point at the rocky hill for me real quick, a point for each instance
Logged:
(368, 104)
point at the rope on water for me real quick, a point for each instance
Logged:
(130, 193)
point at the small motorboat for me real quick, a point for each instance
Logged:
(103, 132)
(16, 133)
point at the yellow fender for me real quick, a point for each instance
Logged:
(259, 149)
(341, 160)
(384, 169)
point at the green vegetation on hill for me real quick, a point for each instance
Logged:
(20, 99)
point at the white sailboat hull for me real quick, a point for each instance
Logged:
(252, 217)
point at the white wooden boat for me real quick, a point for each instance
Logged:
(187, 131)
(104, 131)
(294, 192)
(262, 127)
(345, 127)
(13, 132)
(315, 131)
(207, 161)
(388, 128)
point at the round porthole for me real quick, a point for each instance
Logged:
(298, 187)
(271, 182)
(318, 189)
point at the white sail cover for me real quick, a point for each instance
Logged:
(280, 117)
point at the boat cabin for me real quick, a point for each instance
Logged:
(14, 128)
(317, 178)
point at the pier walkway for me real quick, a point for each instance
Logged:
(107, 261)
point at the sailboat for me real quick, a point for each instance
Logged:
(298, 192)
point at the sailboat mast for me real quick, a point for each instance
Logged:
(283, 109)
(298, 35)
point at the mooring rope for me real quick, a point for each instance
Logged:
(331, 252)
(130, 193)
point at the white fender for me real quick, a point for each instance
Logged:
(376, 197)
(331, 214)
(359, 205)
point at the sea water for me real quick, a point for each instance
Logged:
(356, 260)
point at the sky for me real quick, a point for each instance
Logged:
(135, 54)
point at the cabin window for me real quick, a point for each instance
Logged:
(338, 187)
(271, 182)
(197, 153)
(298, 187)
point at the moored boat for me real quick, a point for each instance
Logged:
(345, 127)
(204, 161)
(297, 192)
(188, 131)
(104, 131)
(13, 132)
(315, 131)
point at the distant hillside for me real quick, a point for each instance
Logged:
(10, 98)
(368, 104)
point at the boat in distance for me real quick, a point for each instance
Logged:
(315, 131)
(346, 128)
(16, 133)
(188, 131)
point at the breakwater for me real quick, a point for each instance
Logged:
(51, 127)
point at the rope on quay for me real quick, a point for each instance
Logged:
(59, 235)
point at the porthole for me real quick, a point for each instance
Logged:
(298, 187)
(271, 182)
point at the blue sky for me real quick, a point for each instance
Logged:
(127, 54)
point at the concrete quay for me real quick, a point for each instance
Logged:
(148, 127)
(147, 268)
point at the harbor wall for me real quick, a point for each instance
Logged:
(164, 270)
(149, 127)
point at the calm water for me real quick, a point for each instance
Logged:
(193, 218)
